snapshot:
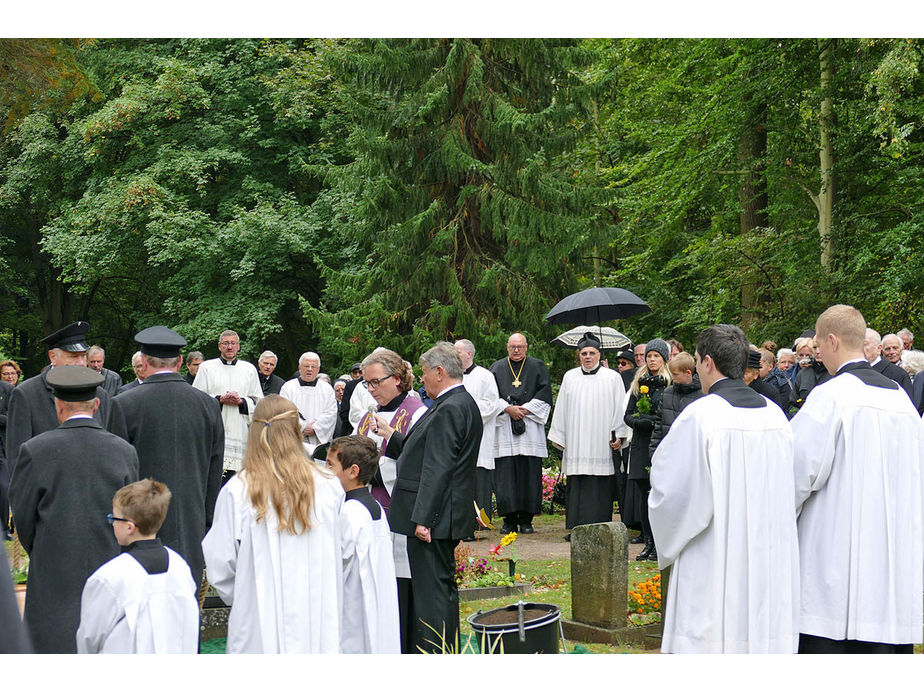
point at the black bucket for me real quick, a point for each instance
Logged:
(518, 631)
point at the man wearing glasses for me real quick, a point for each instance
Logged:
(61, 489)
(315, 401)
(236, 386)
(524, 403)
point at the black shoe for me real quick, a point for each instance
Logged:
(653, 556)
(469, 538)
(507, 529)
(568, 537)
(646, 552)
(526, 529)
(637, 540)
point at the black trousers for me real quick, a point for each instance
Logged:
(484, 489)
(590, 500)
(404, 608)
(815, 644)
(434, 597)
(518, 485)
(644, 488)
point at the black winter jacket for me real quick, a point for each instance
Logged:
(673, 401)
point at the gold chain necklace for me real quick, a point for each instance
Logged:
(516, 376)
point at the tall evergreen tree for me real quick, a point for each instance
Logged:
(465, 215)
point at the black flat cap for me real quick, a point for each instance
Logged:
(589, 340)
(70, 338)
(74, 383)
(356, 367)
(160, 342)
(626, 354)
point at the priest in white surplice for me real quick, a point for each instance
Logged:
(721, 513)
(315, 400)
(858, 488)
(482, 387)
(588, 425)
(236, 385)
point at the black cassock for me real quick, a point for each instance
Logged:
(180, 439)
(32, 411)
(271, 384)
(61, 492)
(518, 479)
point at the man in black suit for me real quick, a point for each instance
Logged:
(138, 368)
(872, 350)
(433, 499)
(32, 404)
(96, 357)
(62, 488)
(270, 383)
(178, 433)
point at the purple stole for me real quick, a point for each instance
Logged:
(401, 422)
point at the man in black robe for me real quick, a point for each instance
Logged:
(32, 404)
(180, 438)
(753, 380)
(525, 395)
(61, 491)
(270, 383)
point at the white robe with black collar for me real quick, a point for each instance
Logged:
(482, 387)
(317, 403)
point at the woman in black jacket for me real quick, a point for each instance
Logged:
(647, 388)
(684, 389)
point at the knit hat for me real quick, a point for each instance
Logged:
(659, 346)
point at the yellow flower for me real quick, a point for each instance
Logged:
(643, 389)
(509, 539)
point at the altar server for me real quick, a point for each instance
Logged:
(587, 425)
(482, 386)
(143, 601)
(721, 513)
(236, 386)
(858, 490)
(273, 553)
(387, 379)
(370, 593)
(315, 400)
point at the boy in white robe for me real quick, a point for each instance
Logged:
(144, 600)
(858, 492)
(370, 590)
(721, 513)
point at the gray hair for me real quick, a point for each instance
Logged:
(873, 336)
(159, 362)
(229, 333)
(467, 345)
(268, 355)
(913, 361)
(95, 349)
(136, 356)
(445, 356)
(892, 334)
(309, 356)
(325, 377)
(193, 355)
(902, 333)
(784, 352)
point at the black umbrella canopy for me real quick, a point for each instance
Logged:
(595, 305)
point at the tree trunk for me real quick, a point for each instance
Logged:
(825, 200)
(752, 195)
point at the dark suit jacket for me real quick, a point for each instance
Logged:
(32, 411)
(180, 438)
(917, 393)
(112, 382)
(896, 373)
(60, 493)
(129, 386)
(435, 487)
(271, 385)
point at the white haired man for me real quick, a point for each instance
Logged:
(315, 400)
(269, 381)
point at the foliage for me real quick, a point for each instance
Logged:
(646, 597)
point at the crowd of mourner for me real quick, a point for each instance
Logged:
(781, 486)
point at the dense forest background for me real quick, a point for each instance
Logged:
(337, 195)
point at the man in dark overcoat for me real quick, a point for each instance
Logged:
(32, 404)
(60, 492)
(434, 495)
(180, 439)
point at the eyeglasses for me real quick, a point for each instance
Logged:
(110, 518)
(229, 343)
(517, 346)
(375, 382)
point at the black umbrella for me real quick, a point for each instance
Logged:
(595, 305)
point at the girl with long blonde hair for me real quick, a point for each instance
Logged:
(273, 552)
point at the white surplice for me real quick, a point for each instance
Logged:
(285, 590)
(317, 403)
(360, 403)
(588, 408)
(482, 386)
(858, 484)
(532, 442)
(721, 515)
(124, 610)
(388, 468)
(215, 378)
(370, 591)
